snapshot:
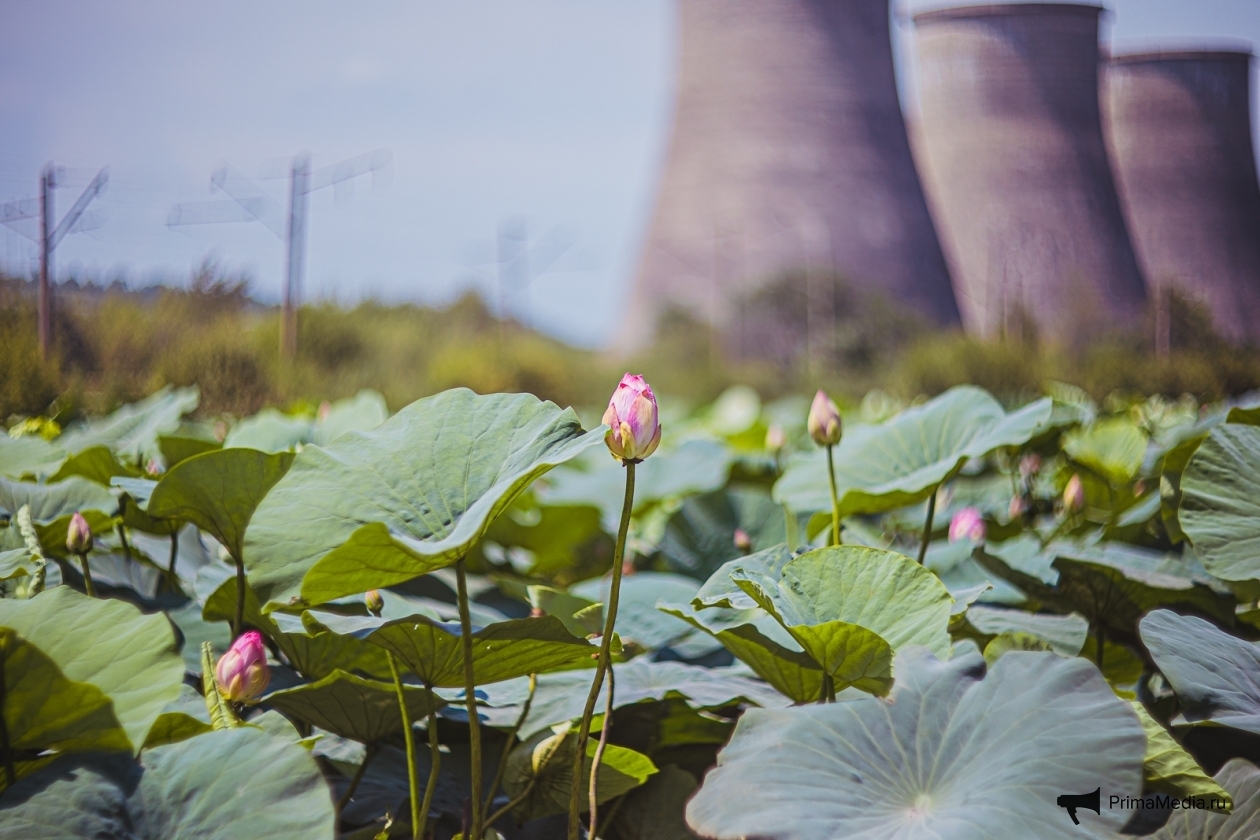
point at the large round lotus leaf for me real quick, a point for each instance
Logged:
(851, 607)
(219, 491)
(177, 448)
(378, 508)
(1241, 779)
(721, 591)
(434, 651)
(901, 461)
(1113, 449)
(132, 431)
(1216, 675)
(700, 536)
(131, 657)
(1220, 502)
(951, 757)
(96, 463)
(224, 785)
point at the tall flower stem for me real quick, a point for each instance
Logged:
(170, 571)
(122, 540)
(435, 763)
(605, 646)
(238, 626)
(835, 499)
(927, 527)
(470, 697)
(88, 586)
(410, 743)
(593, 793)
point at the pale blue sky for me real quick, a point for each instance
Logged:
(556, 110)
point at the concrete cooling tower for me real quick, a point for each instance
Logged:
(1016, 169)
(1179, 131)
(788, 152)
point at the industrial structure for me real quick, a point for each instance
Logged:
(1179, 132)
(1017, 173)
(789, 153)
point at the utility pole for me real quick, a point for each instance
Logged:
(50, 236)
(258, 206)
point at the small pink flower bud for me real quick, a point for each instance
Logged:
(1017, 508)
(78, 535)
(742, 541)
(824, 420)
(153, 467)
(1029, 465)
(325, 408)
(242, 673)
(373, 601)
(1074, 494)
(634, 426)
(776, 438)
(967, 524)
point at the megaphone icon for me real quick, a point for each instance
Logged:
(1072, 801)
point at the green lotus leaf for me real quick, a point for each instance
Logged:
(556, 536)
(361, 413)
(270, 431)
(131, 657)
(902, 461)
(1172, 466)
(1064, 634)
(1170, 769)
(178, 448)
(951, 757)
(224, 785)
(17, 562)
(43, 710)
(1112, 448)
(1220, 502)
(96, 463)
(1216, 675)
(851, 607)
(1242, 780)
(695, 466)
(700, 535)
(219, 492)
(378, 508)
(654, 811)
(639, 622)
(29, 456)
(132, 431)
(433, 650)
(546, 761)
(721, 591)
(352, 707)
(183, 718)
(52, 502)
(581, 616)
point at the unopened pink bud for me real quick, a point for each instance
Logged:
(373, 601)
(742, 541)
(242, 673)
(634, 426)
(776, 438)
(78, 535)
(1074, 494)
(824, 420)
(1017, 508)
(153, 467)
(967, 524)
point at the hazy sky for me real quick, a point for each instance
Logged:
(556, 111)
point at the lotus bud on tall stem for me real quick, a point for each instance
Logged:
(409, 743)
(633, 434)
(79, 541)
(470, 700)
(967, 524)
(374, 602)
(243, 673)
(825, 428)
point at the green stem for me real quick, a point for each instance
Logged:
(170, 571)
(470, 697)
(1100, 638)
(221, 714)
(358, 777)
(835, 500)
(238, 626)
(610, 620)
(88, 586)
(529, 786)
(592, 794)
(409, 742)
(509, 743)
(927, 526)
(827, 690)
(10, 771)
(122, 538)
(435, 762)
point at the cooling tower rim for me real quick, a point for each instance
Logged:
(1005, 10)
(1215, 51)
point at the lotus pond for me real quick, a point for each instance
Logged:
(486, 616)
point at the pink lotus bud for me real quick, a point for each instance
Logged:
(242, 672)
(742, 541)
(824, 420)
(220, 431)
(373, 601)
(967, 524)
(78, 535)
(1029, 465)
(153, 467)
(1017, 508)
(1074, 494)
(634, 427)
(1139, 488)
(776, 438)
(325, 408)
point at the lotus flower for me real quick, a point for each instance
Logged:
(78, 535)
(373, 601)
(1074, 494)
(824, 420)
(967, 524)
(742, 541)
(634, 425)
(242, 672)
(776, 438)
(1017, 508)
